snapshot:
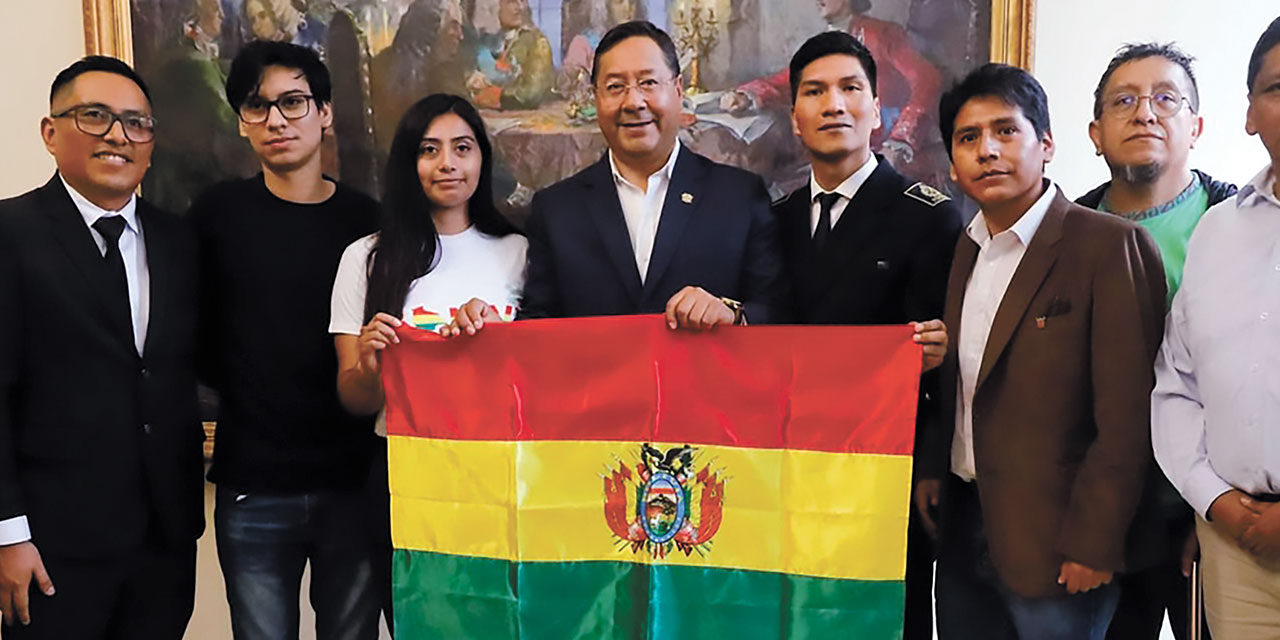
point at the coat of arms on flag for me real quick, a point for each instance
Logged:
(661, 496)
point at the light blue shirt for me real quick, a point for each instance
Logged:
(1215, 410)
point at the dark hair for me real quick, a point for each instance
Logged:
(1269, 39)
(407, 242)
(253, 59)
(96, 63)
(831, 43)
(642, 28)
(418, 26)
(1014, 86)
(1141, 51)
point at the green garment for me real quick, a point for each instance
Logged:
(1171, 224)
(198, 139)
(529, 55)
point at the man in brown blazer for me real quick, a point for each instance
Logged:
(1056, 313)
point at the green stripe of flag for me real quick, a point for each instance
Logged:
(445, 596)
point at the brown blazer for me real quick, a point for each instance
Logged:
(1062, 408)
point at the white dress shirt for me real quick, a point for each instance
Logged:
(132, 250)
(846, 189)
(998, 259)
(134, 253)
(1215, 410)
(642, 208)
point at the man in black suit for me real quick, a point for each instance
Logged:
(652, 227)
(100, 446)
(862, 244)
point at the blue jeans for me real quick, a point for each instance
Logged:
(265, 541)
(973, 602)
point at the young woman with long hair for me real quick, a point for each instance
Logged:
(443, 251)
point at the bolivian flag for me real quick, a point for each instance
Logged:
(610, 478)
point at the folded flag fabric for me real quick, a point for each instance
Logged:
(611, 478)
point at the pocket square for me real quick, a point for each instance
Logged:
(1057, 306)
(882, 265)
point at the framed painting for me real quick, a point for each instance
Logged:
(536, 98)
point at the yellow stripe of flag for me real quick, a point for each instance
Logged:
(808, 513)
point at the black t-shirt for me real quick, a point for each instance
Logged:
(266, 273)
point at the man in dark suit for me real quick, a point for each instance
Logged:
(652, 227)
(100, 446)
(1056, 312)
(863, 245)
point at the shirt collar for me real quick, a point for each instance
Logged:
(1025, 228)
(663, 173)
(850, 186)
(1261, 186)
(92, 212)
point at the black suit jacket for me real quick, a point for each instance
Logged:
(99, 447)
(886, 260)
(715, 232)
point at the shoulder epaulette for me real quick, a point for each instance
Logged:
(785, 197)
(926, 194)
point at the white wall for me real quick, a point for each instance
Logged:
(35, 43)
(1076, 38)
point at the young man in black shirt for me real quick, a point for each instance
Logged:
(289, 461)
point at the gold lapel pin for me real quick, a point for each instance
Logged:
(686, 198)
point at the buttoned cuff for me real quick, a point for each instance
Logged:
(1202, 487)
(14, 530)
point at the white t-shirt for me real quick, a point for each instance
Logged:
(469, 265)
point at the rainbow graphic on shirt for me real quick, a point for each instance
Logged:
(423, 318)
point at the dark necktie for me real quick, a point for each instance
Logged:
(820, 234)
(111, 227)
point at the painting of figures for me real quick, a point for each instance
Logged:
(527, 65)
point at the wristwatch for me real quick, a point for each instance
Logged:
(739, 313)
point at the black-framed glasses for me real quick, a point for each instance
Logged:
(292, 106)
(97, 120)
(1164, 104)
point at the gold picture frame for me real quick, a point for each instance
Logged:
(109, 31)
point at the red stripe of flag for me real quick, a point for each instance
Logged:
(764, 387)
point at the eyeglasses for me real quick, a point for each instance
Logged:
(616, 89)
(97, 120)
(1164, 104)
(292, 106)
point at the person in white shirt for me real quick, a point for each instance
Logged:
(442, 244)
(1215, 411)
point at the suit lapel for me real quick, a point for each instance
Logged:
(795, 223)
(605, 210)
(74, 237)
(1031, 272)
(683, 198)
